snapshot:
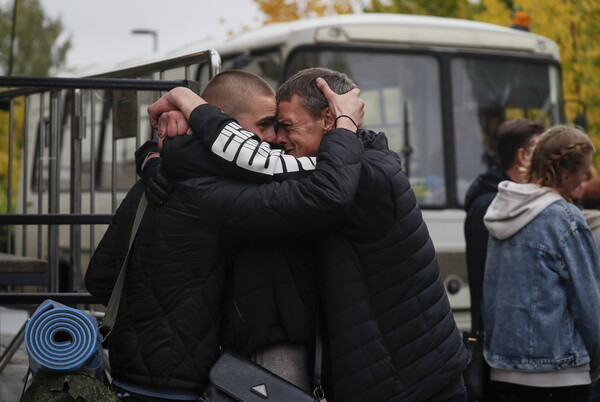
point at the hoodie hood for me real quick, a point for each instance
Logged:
(515, 206)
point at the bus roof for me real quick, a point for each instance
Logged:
(387, 28)
(392, 29)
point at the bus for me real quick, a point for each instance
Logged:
(438, 87)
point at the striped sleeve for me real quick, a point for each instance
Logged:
(239, 146)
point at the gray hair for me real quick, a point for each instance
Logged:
(303, 84)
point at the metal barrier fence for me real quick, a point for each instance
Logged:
(69, 146)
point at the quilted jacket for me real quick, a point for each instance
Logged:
(392, 335)
(167, 331)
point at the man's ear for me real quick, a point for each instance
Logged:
(328, 120)
(522, 157)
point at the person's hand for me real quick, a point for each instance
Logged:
(347, 110)
(156, 184)
(170, 124)
(180, 98)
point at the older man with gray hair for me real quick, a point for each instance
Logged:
(390, 330)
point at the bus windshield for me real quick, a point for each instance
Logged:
(404, 98)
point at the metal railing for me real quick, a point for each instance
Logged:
(61, 133)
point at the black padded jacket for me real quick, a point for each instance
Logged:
(479, 197)
(167, 330)
(391, 332)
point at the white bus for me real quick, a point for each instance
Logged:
(437, 87)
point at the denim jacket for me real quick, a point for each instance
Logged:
(541, 304)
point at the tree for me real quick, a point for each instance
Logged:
(38, 49)
(573, 25)
(18, 129)
(439, 8)
(289, 10)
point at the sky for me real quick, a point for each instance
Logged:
(100, 30)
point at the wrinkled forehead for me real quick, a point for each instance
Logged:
(292, 109)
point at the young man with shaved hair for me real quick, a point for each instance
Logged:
(168, 329)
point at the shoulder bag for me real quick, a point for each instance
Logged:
(234, 378)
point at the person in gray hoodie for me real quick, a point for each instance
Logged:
(541, 293)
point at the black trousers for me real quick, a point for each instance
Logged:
(506, 392)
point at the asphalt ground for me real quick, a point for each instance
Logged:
(13, 376)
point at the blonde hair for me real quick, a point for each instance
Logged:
(560, 149)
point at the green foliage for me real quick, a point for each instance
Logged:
(438, 8)
(573, 25)
(3, 228)
(289, 10)
(17, 143)
(38, 49)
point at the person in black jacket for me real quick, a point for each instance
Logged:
(271, 304)
(167, 333)
(391, 332)
(515, 142)
(514, 147)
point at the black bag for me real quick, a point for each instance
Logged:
(233, 378)
(473, 374)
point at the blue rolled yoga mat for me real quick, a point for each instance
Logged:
(61, 339)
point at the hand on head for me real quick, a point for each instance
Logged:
(348, 104)
(170, 124)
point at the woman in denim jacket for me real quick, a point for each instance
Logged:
(541, 297)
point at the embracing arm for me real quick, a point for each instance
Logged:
(291, 206)
(240, 152)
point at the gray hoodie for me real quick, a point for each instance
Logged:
(515, 206)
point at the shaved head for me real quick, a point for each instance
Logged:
(233, 91)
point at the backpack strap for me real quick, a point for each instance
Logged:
(112, 308)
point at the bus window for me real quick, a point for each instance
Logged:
(485, 93)
(402, 94)
(263, 62)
